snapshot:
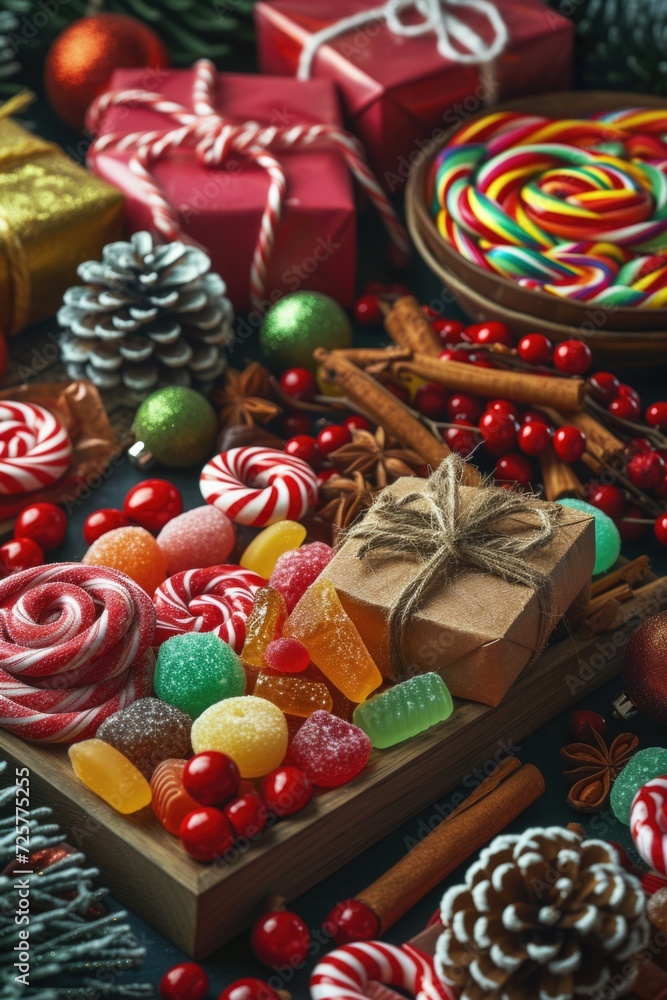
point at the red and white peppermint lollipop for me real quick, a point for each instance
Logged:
(35, 448)
(259, 486)
(216, 599)
(75, 646)
(648, 823)
(346, 973)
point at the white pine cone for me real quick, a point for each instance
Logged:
(542, 916)
(147, 316)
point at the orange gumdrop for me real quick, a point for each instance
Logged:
(133, 551)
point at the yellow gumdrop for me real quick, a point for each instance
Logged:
(252, 731)
(109, 774)
(266, 548)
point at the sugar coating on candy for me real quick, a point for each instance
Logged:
(147, 732)
(171, 803)
(197, 539)
(404, 710)
(644, 766)
(607, 535)
(293, 695)
(264, 624)
(287, 656)
(196, 670)
(109, 774)
(295, 571)
(252, 731)
(330, 750)
(133, 551)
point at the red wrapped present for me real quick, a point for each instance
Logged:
(407, 71)
(254, 169)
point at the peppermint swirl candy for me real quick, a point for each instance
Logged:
(217, 599)
(346, 973)
(75, 646)
(259, 486)
(577, 208)
(648, 823)
(35, 448)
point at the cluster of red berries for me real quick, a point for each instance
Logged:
(38, 529)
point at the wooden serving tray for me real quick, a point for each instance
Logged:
(200, 907)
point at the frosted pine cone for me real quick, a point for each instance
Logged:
(544, 916)
(147, 316)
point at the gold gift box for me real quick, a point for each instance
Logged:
(54, 215)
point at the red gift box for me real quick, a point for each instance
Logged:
(221, 207)
(398, 91)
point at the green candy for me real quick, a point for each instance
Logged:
(645, 765)
(404, 710)
(195, 670)
(607, 537)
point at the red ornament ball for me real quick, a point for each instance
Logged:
(464, 406)
(299, 383)
(211, 777)
(45, 523)
(573, 357)
(534, 437)
(352, 920)
(280, 938)
(206, 834)
(333, 437)
(367, 311)
(604, 386)
(186, 981)
(535, 349)
(489, 333)
(514, 468)
(646, 470)
(103, 520)
(569, 443)
(608, 499)
(247, 815)
(306, 448)
(82, 59)
(152, 503)
(431, 399)
(286, 790)
(18, 554)
(583, 722)
(248, 989)
(656, 416)
(643, 669)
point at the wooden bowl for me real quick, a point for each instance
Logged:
(635, 336)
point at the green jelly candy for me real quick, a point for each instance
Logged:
(645, 765)
(195, 670)
(607, 536)
(404, 710)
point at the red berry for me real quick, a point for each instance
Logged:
(299, 383)
(367, 310)
(286, 656)
(152, 503)
(499, 430)
(625, 407)
(101, 521)
(461, 441)
(286, 790)
(530, 416)
(18, 554)
(211, 777)
(45, 523)
(206, 834)
(661, 489)
(628, 390)
(452, 354)
(569, 443)
(248, 989)
(535, 348)
(489, 333)
(280, 938)
(656, 416)
(305, 447)
(449, 330)
(583, 722)
(357, 423)
(646, 470)
(514, 468)
(504, 406)
(430, 313)
(325, 474)
(352, 920)
(375, 287)
(604, 386)
(638, 444)
(572, 357)
(660, 529)
(431, 399)
(297, 423)
(608, 499)
(464, 406)
(534, 437)
(247, 815)
(631, 532)
(401, 392)
(481, 362)
(333, 437)
(186, 981)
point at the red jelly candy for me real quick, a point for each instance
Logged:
(286, 656)
(330, 750)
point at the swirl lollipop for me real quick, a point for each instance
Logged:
(35, 448)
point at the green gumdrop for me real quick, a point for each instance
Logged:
(607, 536)
(195, 670)
(404, 710)
(645, 765)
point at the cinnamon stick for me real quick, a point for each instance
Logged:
(631, 572)
(407, 326)
(521, 387)
(380, 406)
(558, 477)
(622, 592)
(365, 356)
(646, 601)
(503, 796)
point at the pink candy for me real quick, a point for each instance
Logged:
(197, 539)
(330, 750)
(295, 571)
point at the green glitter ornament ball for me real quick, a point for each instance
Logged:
(299, 323)
(176, 426)
(607, 537)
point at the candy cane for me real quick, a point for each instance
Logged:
(35, 448)
(346, 973)
(648, 823)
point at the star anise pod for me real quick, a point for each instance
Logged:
(347, 498)
(244, 397)
(376, 456)
(597, 767)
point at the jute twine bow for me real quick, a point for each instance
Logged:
(448, 537)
